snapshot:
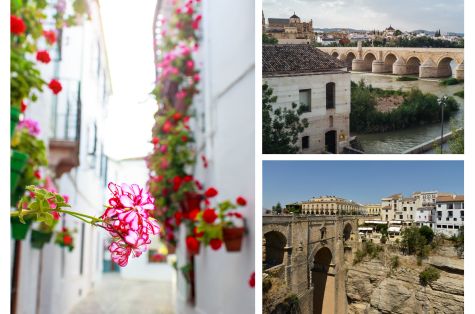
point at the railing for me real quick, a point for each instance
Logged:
(67, 115)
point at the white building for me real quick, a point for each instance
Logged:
(302, 74)
(449, 214)
(53, 280)
(424, 217)
(224, 132)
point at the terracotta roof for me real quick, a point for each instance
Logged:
(303, 58)
(450, 198)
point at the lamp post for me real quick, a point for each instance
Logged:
(442, 101)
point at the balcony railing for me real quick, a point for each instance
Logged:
(66, 130)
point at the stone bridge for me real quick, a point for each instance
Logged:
(309, 254)
(426, 62)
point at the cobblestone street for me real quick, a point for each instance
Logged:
(123, 296)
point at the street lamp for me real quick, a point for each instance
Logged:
(442, 101)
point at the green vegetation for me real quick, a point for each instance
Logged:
(417, 108)
(428, 275)
(417, 241)
(407, 78)
(369, 249)
(394, 262)
(420, 42)
(280, 127)
(459, 242)
(459, 93)
(277, 208)
(266, 39)
(450, 81)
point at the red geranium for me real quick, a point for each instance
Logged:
(43, 56)
(215, 244)
(155, 140)
(23, 106)
(178, 217)
(55, 86)
(209, 215)
(167, 126)
(252, 280)
(50, 36)
(241, 201)
(211, 192)
(67, 240)
(55, 215)
(177, 116)
(17, 26)
(192, 244)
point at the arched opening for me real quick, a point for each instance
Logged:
(446, 67)
(349, 60)
(335, 54)
(388, 62)
(412, 65)
(368, 61)
(323, 283)
(330, 142)
(330, 95)
(275, 244)
(347, 232)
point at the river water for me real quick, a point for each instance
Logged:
(399, 141)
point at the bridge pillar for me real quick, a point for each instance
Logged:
(459, 71)
(358, 65)
(399, 67)
(379, 67)
(428, 69)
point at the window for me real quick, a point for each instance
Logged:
(400, 216)
(451, 213)
(305, 99)
(305, 142)
(331, 121)
(439, 226)
(461, 213)
(330, 95)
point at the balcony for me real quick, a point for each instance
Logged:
(66, 127)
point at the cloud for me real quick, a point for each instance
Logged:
(446, 15)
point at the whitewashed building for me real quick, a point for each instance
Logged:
(303, 74)
(449, 216)
(53, 280)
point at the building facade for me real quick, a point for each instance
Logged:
(330, 205)
(372, 209)
(302, 74)
(449, 215)
(290, 31)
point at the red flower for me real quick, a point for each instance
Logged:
(187, 178)
(55, 86)
(50, 36)
(167, 126)
(43, 56)
(215, 244)
(55, 215)
(211, 192)
(67, 240)
(241, 201)
(252, 280)
(198, 185)
(192, 244)
(209, 215)
(184, 138)
(196, 22)
(155, 140)
(37, 174)
(193, 213)
(205, 161)
(177, 116)
(176, 183)
(17, 26)
(23, 106)
(198, 234)
(178, 217)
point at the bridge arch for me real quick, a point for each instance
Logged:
(350, 56)
(445, 66)
(323, 281)
(389, 60)
(347, 231)
(335, 54)
(275, 243)
(368, 58)
(413, 64)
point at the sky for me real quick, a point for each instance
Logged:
(129, 39)
(361, 181)
(406, 15)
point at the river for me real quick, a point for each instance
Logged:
(399, 141)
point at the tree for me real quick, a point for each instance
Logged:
(413, 242)
(277, 208)
(397, 33)
(456, 144)
(427, 233)
(268, 39)
(280, 127)
(344, 41)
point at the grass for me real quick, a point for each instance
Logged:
(459, 93)
(450, 81)
(407, 78)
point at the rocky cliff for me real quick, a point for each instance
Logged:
(373, 288)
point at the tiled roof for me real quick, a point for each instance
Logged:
(451, 198)
(292, 59)
(279, 21)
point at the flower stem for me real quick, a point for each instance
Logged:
(78, 215)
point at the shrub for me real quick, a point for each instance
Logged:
(459, 93)
(428, 275)
(450, 81)
(394, 262)
(427, 233)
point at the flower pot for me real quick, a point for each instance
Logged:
(16, 195)
(19, 230)
(192, 201)
(39, 238)
(14, 118)
(171, 248)
(18, 163)
(233, 238)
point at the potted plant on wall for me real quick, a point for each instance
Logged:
(65, 239)
(234, 228)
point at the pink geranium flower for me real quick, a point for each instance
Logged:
(31, 125)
